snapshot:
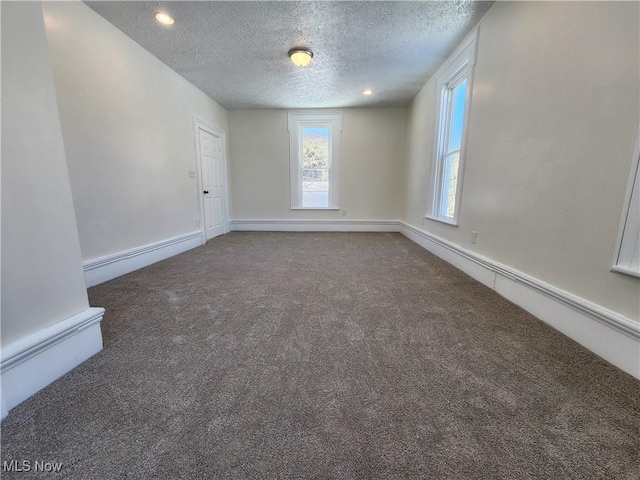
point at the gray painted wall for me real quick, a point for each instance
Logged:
(372, 154)
(553, 123)
(127, 122)
(42, 279)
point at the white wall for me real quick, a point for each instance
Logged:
(42, 279)
(372, 154)
(127, 122)
(553, 122)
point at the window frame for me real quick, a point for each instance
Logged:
(296, 122)
(629, 232)
(458, 66)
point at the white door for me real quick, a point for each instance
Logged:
(213, 188)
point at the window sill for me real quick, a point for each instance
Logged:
(315, 208)
(449, 221)
(625, 271)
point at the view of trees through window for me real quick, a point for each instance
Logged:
(449, 185)
(315, 167)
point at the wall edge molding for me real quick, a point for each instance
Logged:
(134, 252)
(102, 269)
(22, 350)
(601, 314)
(310, 225)
(573, 316)
(33, 362)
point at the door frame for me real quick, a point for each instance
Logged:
(198, 123)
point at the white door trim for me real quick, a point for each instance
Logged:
(198, 123)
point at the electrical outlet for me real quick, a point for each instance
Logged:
(422, 220)
(474, 236)
(344, 213)
(192, 174)
(197, 222)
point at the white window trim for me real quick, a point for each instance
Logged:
(629, 232)
(296, 122)
(463, 56)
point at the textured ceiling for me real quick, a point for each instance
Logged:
(236, 52)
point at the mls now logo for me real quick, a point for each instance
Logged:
(28, 466)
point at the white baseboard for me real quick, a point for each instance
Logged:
(606, 333)
(32, 363)
(315, 225)
(105, 268)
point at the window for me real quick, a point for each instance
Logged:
(315, 160)
(627, 255)
(454, 85)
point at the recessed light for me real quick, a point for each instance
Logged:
(164, 18)
(368, 92)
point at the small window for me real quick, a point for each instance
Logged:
(627, 256)
(315, 160)
(454, 97)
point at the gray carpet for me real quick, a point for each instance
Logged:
(326, 355)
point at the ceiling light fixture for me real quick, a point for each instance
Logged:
(368, 92)
(164, 18)
(301, 56)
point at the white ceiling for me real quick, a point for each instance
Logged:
(236, 52)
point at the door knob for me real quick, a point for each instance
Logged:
(206, 192)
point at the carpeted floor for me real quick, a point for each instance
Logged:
(326, 355)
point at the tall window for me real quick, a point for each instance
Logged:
(454, 86)
(627, 255)
(315, 160)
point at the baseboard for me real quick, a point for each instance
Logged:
(105, 268)
(32, 363)
(315, 225)
(606, 333)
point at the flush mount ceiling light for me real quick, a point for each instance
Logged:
(164, 18)
(301, 56)
(368, 92)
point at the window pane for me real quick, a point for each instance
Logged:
(449, 185)
(458, 99)
(315, 167)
